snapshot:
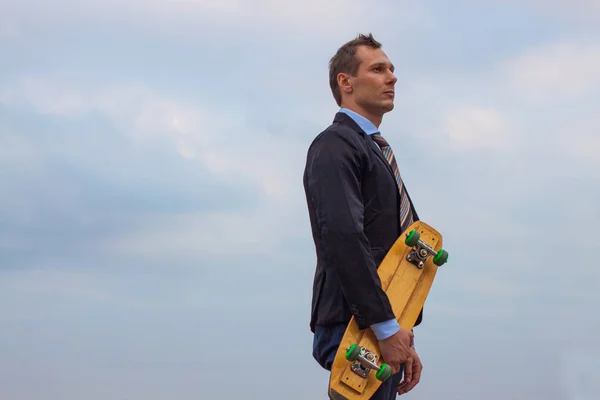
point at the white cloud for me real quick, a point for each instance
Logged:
(217, 142)
(583, 8)
(472, 127)
(199, 18)
(142, 115)
(556, 70)
(203, 235)
(537, 108)
(572, 11)
(580, 142)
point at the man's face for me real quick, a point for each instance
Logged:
(373, 85)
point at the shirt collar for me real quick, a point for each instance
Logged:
(361, 121)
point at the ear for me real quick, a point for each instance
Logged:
(344, 82)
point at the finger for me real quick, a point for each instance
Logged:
(401, 388)
(402, 384)
(408, 369)
(417, 373)
(406, 387)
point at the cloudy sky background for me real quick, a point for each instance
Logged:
(154, 240)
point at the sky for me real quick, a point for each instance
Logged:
(154, 236)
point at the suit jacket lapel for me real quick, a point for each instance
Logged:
(345, 119)
(375, 148)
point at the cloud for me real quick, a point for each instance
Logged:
(206, 235)
(583, 8)
(579, 142)
(197, 132)
(258, 172)
(556, 71)
(557, 84)
(536, 107)
(473, 127)
(577, 11)
(196, 19)
(134, 109)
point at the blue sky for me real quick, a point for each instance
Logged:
(153, 226)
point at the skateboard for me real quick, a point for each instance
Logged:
(406, 273)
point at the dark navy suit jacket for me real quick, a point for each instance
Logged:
(353, 203)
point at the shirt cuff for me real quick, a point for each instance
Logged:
(384, 330)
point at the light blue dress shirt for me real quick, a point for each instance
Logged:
(384, 329)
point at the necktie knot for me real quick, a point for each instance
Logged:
(380, 140)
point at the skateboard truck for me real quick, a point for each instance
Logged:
(420, 251)
(364, 360)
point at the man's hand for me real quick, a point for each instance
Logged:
(412, 373)
(396, 349)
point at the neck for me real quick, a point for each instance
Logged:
(373, 117)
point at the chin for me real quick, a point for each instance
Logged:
(388, 106)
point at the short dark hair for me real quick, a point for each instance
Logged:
(344, 61)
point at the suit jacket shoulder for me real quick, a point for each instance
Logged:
(342, 138)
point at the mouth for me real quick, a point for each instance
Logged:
(389, 93)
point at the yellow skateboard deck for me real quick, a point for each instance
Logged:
(406, 274)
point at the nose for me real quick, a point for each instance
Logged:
(392, 78)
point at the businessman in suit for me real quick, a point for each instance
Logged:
(358, 207)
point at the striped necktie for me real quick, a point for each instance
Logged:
(406, 215)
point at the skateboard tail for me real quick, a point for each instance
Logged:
(333, 395)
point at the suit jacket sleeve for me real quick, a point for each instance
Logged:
(334, 172)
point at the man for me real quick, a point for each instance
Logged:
(358, 208)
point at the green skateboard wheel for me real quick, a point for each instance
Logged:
(441, 257)
(384, 372)
(412, 239)
(352, 353)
